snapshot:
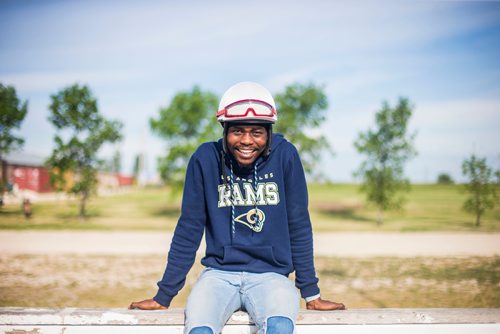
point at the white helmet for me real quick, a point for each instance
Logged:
(249, 102)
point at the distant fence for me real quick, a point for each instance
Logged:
(360, 321)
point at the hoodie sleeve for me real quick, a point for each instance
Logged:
(300, 227)
(187, 235)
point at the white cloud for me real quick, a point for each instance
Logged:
(459, 127)
(458, 114)
(50, 81)
(137, 54)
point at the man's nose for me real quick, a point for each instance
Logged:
(246, 138)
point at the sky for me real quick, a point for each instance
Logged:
(136, 55)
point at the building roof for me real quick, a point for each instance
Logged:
(23, 159)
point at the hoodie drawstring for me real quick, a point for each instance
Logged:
(233, 225)
(230, 185)
(256, 215)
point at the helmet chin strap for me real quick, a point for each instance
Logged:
(269, 140)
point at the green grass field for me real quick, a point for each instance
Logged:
(342, 207)
(333, 207)
(115, 281)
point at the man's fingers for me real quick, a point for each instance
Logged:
(148, 304)
(339, 306)
(136, 306)
(324, 305)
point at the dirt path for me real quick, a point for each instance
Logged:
(326, 244)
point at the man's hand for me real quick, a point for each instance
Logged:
(319, 304)
(147, 304)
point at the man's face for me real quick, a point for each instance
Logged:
(246, 143)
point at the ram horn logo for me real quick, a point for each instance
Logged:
(249, 220)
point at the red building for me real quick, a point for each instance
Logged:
(25, 172)
(31, 178)
(124, 180)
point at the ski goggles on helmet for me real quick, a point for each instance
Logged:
(249, 108)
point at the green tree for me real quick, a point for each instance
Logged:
(12, 113)
(114, 165)
(387, 147)
(81, 132)
(138, 166)
(301, 110)
(187, 122)
(480, 186)
(116, 162)
(444, 178)
(190, 120)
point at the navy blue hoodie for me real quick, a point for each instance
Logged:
(280, 242)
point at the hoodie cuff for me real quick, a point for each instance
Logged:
(162, 298)
(308, 299)
(309, 291)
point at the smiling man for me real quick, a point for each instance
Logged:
(246, 142)
(248, 193)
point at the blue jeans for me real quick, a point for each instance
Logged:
(270, 299)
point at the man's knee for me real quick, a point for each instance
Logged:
(279, 325)
(201, 330)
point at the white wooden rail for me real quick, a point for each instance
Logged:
(79, 320)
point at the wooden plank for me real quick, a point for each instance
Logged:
(245, 329)
(173, 317)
